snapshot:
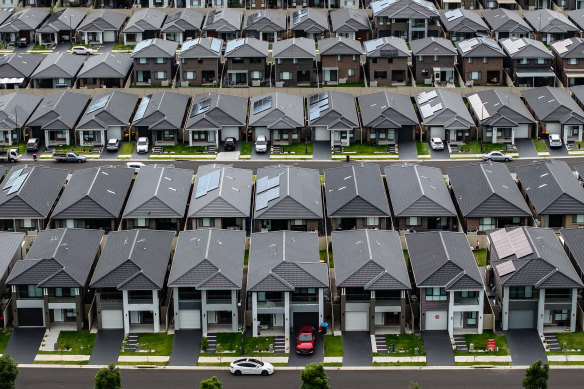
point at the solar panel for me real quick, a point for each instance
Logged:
(373, 45)
(214, 180)
(216, 45)
(520, 242)
(314, 112)
(17, 183)
(98, 104)
(468, 44)
(262, 184)
(273, 182)
(379, 6)
(426, 96)
(211, 17)
(173, 16)
(297, 15)
(491, 43)
(502, 243)
(261, 201)
(273, 193)
(453, 15)
(142, 44)
(428, 110)
(12, 177)
(253, 17)
(3, 59)
(190, 43)
(202, 186)
(234, 44)
(505, 268)
(142, 108)
(426, 4)
(262, 105)
(513, 46)
(202, 106)
(478, 106)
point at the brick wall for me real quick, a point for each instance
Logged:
(347, 62)
(193, 65)
(383, 65)
(429, 64)
(430, 306)
(249, 66)
(493, 64)
(154, 67)
(288, 65)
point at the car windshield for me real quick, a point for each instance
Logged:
(437, 141)
(305, 337)
(142, 143)
(261, 142)
(112, 142)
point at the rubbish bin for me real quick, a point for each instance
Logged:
(348, 157)
(34, 156)
(391, 348)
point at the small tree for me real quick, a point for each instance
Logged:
(211, 383)
(8, 372)
(536, 376)
(108, 378)
(413, 385)
(314, 377)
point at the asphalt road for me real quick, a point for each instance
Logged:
(53, 378)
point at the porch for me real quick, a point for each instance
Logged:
(57, 138)
(204, 137)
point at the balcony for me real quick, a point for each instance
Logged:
(558, 298)
(140, 300)
(62, 299)
(218, 301)
(358, 298)
(385, 302)
(271, 304)
(111, 303)
(459, 300)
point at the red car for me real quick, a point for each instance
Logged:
(305, 340)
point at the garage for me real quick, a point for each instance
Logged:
(322, 133)
(262, 131)
(30, 317)
(189, 319)
(356, 321)
(112, 319)
(553, 128)
(436, 320)
(305, 319)
(114, 132)
(521, 318)
(230, 132)
(109, 36)
(438, 132)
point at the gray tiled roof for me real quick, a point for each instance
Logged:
(547, 267)
(95, 193)
(145, 20)
(165, 111)
(286, 111)
(60, 258)
(551, 187)
(433, 46)
(28, 19)
(5, 13)
(11, 245)
(578, 93)
(417, 190)
(294, 48)
(159, 192)
(574, 242)
(251, 47)
(224, 110)
(503, 109)
(231, 199)
(530, 49)
(19, 65)
(17, 107)
(340, 46)
(155, 48)
(443, 259)
(59, 111)
(504, 20)
(371, 259)
(224, 20)
(266, 20)
(200, 48)
(59, 65)
(404, 9)
(340, 114)
(67, 19)
(117, 111)
(397, 46)
(548, 21)
(469, 21)
(134, 260)
(349, 20)
(486, 190)
(110, 65)
(285, 260)
(452, 114)
(187, 19)
(208, 259)
(480, 47)
(553, 105)
(387, 110)
(103, 21)
(577, 16)
(569, 48)
(314, 21)
(355, 191)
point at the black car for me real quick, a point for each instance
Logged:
(22, 42)
(230, 143)
(33, 144)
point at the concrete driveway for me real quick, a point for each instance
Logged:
(439, 154)
(303, 360)
(321, 151)
(557, 152)
(61, 48)
(135, 154)
(438, 348)
(105, 154)
(259, 157)
(186, 347)
(24, 344)
(407, 150)
(525, 148)
(357, 348)
(107, 347)
(525, 347)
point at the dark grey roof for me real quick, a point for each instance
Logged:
(29, 19)
(443, 259)
(59, 65)
(208, 259)
(117, 111)
(110, 65)
(310, 20)
(231, 199)
(404, 9)
(201, 48)
(387, 46)
(159, 192)
(187, 19)
(340, 46)
(349, 20)
(504, 20)
(486, 190)
(67, 19)
(19, 65)
(480, 47)
(224, 110)
(286, 111)
(59, 111)
(16, 108)
(224, 20)
(525, 48)
(134, 260)
(578, 93)
(37, 194)
(299, 194)
(163, 111)
(546, 267)
(369, 259)
(95, 193)
(11, 245)
(462, 20)
(294, 48)
(552, 187)
(498, 108)
(577, 16)
(433, 46)
(102, 21)
(387, 110)
(5, 13)
(60, 258)
(267, 21)
(145, 20)
(417, 190)
(285, 260)
(246, 47)
(569, 48)
(553, 105)
(440, 107)
(355, 191)
(550, 22)
(155, 48)
(340, 114)
(574, 242)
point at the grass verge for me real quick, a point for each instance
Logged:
(423, 148)
(405, 344)
(4, 338)
(160, 344)
(298, 149)
(246, 148)
(474, 147)
(127, 148)
(540, 146)
(183, 150)
(76, 149)
(333, 346)
(60, 362)
(482, 363)
(365, 149)
(399, 364)
(480, 343)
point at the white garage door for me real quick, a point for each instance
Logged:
(356, 321)
(114, 132)
(109, 36)
(189, 319)
(438, 132)
(262, 131)
(553, 128)
(227, 132)
(520, 318)
(112, 319)
(322, 133)
(436, 320)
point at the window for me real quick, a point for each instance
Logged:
(485, 60)
(413, 221)
(207, 222)
(354, 58)
(523, 61)
(420, 58)
(425, 72)
(381, 75)
(237, 60)
(295, 61)
(572, 61)
(469, 59)
(577, 218)
(436, 294)
(486, 223)
(256, 75)
(285, 75)
(469, 293)
(294, 134)
(34, 291)
(279, 61)
(141, 222)
(160, 75)
(255, 60)
(371, 221)
(339, 58)
(475, 75)
(390, 60)
(142, 60)
(435, 58)
(26, 223)
(183, 60)
(540, 61)
(561, 315)
(521, 292)
(351, 72)
(190, 75)
(70, 223)
(64, 292)
(297, 222)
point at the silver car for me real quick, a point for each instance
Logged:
(497, 156)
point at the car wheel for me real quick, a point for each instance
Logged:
(507, 159)
(264, 373)
(79, 161)
(488, 159)
(237, 373)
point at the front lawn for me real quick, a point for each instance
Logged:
(333, 346)
(76, 149)
(573, 340)
(127, 148)
(246, 148)
(481, 257)
(4, 338)
(475, 147)
(261, 344)
(74, 342)
(540, 146)
(298, 149)
(480, 343)
(229, 341)
(405, 344)
(183, 150)
(155, 343)
(365, 149)
(121, 46)
(38, 47)
(423, 148)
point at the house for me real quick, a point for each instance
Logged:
(16, 69)
(265, 25)
(22, 24)
(50, 286)
(445, 116)
(577, 16)
(93, 199)
(449, 284)
(530, 62)
(60, 27)
(182, 25)
(556, 113)
(13, 249)
(221, 198)
(501, 116)
(578, 94)
(407, 19)
(481, 61)
(571, 5)
(57, 70)
(154, 62)
(572, 239)
(295, 61)
(199, 61)
(144, 24)
(129, 279)
(107, 117)
(101, 27)
(285, 282)
(550, 26)
(206, 279)
(434, 61)
(160, 117)
(287, 198)
(536, 285)
(420, 199)
(340, 59)
(568, 59)
(387, 117)
(158, 199)
(372, 280)
(332, 116)
(214, 117)
(553, 193)
(351, 23)
(110, 70)
(487, 197)
(507, 24)
(461, 24)
(224, 24)
(55, 118)
(246, 62)
(309, 23)
(388, 59)
(24, 203)
(279, 117)
(355, 198)
(15, 110)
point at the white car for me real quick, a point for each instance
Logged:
(251, 366)
(135, 165)
(555, 140)
(436, 144)
(142, 146)
(81, 50)
(261, 145)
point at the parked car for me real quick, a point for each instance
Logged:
(555, 140)
(33, 144)
(261, 145)
(135, 165)
(230, 143)
(250, 366)
(69, 157)
(305, 340)
(22, 42)
(497, 156)
(81, 50)
(9, 155)
(142, 146)
(436, 144)
(113, 144)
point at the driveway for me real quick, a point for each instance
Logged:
(526, 148)
(135, 154)
(439, 154)
(107, 347)
(303, 360)
(106, 48)
(185, 348)
(525, 347)
(557, 152)
(110, 154)
(262, 156)
(24, 344)
(438, 348)
(357, 348)
(407, 150)
(61, 48)
(321, 151)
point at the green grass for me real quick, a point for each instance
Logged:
(566, 363)
(332, 364)
(261, 344)
(423, 148)
(160, 343)
(121, 46)
(76, 149)
(246, 148)
(349, 85)
(482, 363)
(298, 148)
(213, 364)
(474, 147)
(540, 146)
(407, 258)
(365, 149)
(80, 44)
(183, 150)
(127, 148)
(481, 257)
(229, 341)
(407, 343)
(574, 341)
(80, 343)
(333, 346)
(20, 146)
(60, 362)
(246, 258)
(4, 338)
(38, 47)
(480, 343)
(322, 254)
(399, 364)
(142, 363)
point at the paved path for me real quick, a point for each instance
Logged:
(525, 347)
(357, 348)
(107, 347)
(407, 150)
(261, 156)
(557, 152)
(438, 348)
(525, 148)
(186, 347)
(321, 151)
(24, 344)
(303, 360)
(439, 154)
